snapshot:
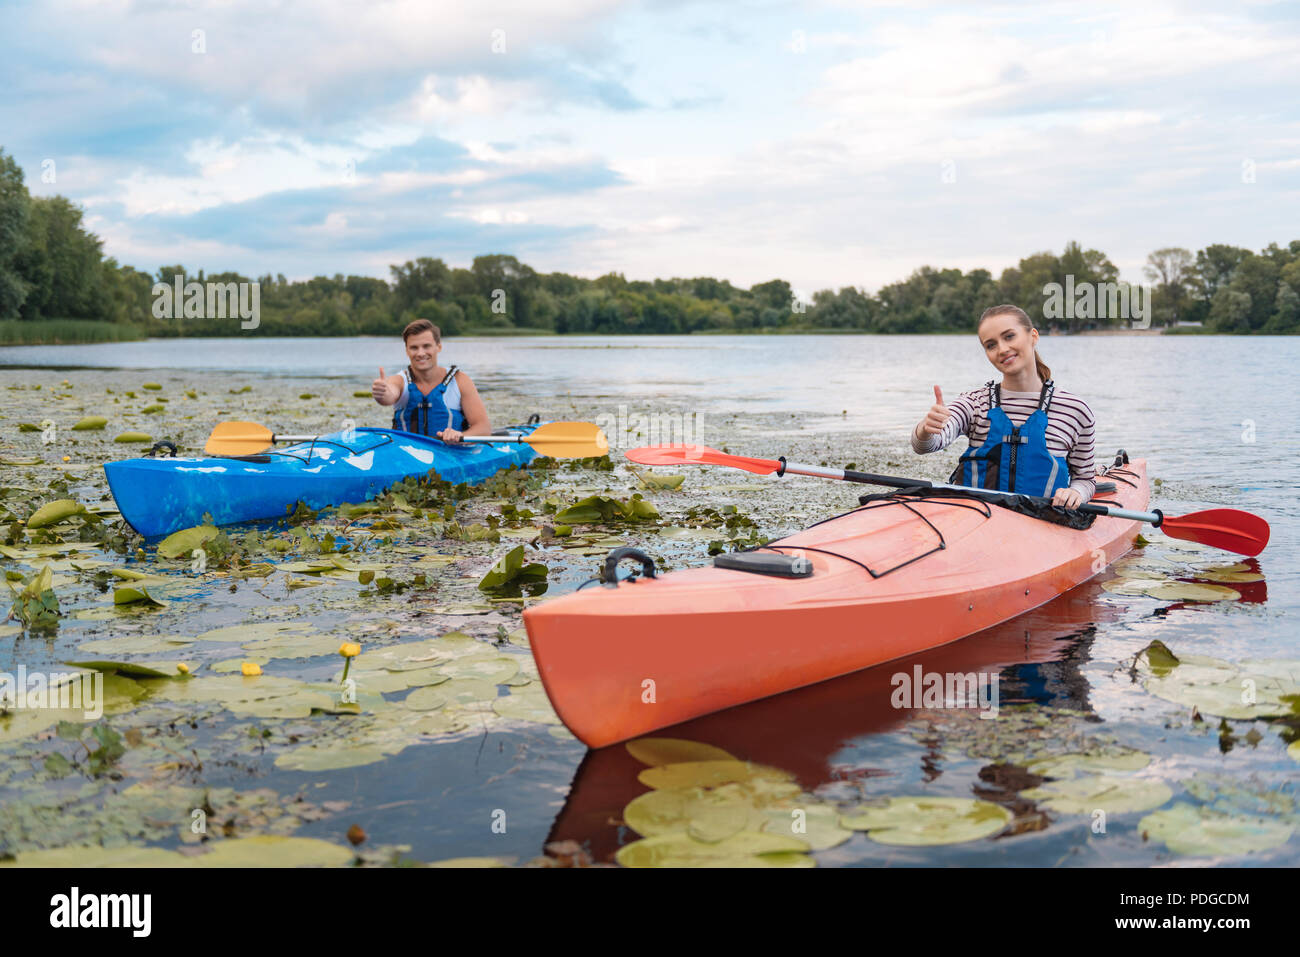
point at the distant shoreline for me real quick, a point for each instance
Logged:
(614, 336)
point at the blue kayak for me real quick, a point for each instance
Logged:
(158, 496)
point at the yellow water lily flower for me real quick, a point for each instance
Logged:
(349, 650)
(250, 669)
(183, 668)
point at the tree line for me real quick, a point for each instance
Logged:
(53, 268)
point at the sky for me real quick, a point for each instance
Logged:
(830, 144)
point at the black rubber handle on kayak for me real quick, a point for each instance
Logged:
(609, 574)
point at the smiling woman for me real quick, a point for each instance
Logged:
(1025, 436)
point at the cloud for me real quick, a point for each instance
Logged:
(657, 139)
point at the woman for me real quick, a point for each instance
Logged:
(428, 399)
(1025, 435)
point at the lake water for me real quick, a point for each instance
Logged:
(1184, 400)
(1212, 415)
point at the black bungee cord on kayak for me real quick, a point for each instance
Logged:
(909, 497)
(888, 498)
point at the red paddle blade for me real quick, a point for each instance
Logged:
(677, 454)
(1226, 528)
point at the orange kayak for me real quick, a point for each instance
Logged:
(890, 579)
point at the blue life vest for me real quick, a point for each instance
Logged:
(1014, 458)
(428, 414)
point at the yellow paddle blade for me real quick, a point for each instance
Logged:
(568, 440)
(238, 438)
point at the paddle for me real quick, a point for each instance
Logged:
(1226, 528)
(559, 440)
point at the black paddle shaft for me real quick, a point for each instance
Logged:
(891, 481)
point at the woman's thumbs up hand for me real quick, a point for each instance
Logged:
(937, 416)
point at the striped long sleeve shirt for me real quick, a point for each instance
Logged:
(1071, 429)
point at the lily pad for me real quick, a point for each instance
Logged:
(264, 696)
(135, 644)
(462, 861)
(182, 544)
(425, 699)
(1253, 688)
(90, 423)
(711, 815)
(495, 668)
(657, 481)
(599, 508)
(130, 595)
(817, 824)
(530, 705)
(134, 437)
(135, 669)
(712, 823)
(1171, 591)
(1187, 829)
(55, 512)
(511, 568)
(1232, 578)
(271, 850)
(746, 849)
(465, 692)
(661, 811)
(659, 751)
(332, 757)
(127, 855)
(925, 821)
(1098, 760)
(36, 604)
(709, 774)
(257, 630)
(1107, 792)
(130, 574)
(292, 645)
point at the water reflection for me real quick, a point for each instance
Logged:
(808, 732)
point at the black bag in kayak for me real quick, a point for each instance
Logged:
(1032, 506)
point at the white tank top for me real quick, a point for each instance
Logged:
(450, 398)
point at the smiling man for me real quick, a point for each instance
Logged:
(426, 398)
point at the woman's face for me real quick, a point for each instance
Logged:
(1008, 344)
(423, 351)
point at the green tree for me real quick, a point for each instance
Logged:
(1215, 266)
(15, 210)
(775, 294)
(421, 279)
(1172, 270)
(1286, 312)
(61, 262)
(449, 317)
(1033, 276)
(1230, 311)
(1257, 277)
